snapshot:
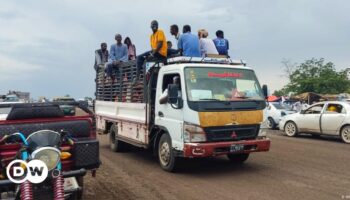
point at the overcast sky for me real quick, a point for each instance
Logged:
(47, 46)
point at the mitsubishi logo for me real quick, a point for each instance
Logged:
(233, 135)
(233, 117)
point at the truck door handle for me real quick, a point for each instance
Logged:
(160, 114)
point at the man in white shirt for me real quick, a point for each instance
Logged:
(207, 46)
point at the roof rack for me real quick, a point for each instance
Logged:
(209, 60)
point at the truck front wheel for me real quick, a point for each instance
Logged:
(167, 159)
(115, 144)
(238, 158)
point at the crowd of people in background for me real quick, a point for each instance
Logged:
(188, 44)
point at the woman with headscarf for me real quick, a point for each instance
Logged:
(131, 48)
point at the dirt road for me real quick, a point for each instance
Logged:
(295, 168)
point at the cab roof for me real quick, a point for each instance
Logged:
(181, 62)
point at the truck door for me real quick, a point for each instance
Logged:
(167, 116)
(332, 117)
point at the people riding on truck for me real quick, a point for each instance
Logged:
(131, 48)
(118, 54)
(174, 30)
(222, 44)
(158, 45)
(207, 45)
(101, 56)
(188, 43)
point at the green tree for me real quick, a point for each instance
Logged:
(317, 76)
(281, 92)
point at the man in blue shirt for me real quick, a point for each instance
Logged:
(188, 43)
(117, 54)
(221, 44)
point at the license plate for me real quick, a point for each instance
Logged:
(236, 148)
(70, 183)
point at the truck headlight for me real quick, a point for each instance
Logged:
(263, 129)
(193, 133)
(49, 155)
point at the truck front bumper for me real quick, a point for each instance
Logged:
(192, 150)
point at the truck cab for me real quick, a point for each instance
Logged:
(215, 109)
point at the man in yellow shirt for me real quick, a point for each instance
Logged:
(158, 44)
(158, 41)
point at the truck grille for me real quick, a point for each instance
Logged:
(231, 133)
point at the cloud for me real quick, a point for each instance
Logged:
(14, 70)
(59, 36)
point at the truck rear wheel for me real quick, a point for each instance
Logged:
(238, 158)
(115, 144)
(167, 159)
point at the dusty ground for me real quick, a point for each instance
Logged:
(295, 168)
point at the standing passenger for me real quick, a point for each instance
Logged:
(101, 56)
(131, 49)
(221, 44)
(188, 43)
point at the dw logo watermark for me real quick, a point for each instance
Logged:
(35, 171)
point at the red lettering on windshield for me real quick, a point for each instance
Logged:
(224, 75)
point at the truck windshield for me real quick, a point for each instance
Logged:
(221, 84)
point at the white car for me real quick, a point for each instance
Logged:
(275, 111)
(324, 118)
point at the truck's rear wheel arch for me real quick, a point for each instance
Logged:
(108, 126)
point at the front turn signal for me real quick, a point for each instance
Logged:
(65, 155)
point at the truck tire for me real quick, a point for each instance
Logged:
(167, 159)
(115, 144)
(238, 158)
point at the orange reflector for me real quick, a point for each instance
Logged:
(65, 155)
(22, 166)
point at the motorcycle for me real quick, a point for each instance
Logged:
(45, 145)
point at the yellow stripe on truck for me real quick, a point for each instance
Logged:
(208, 119)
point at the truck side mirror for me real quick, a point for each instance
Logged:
(172, 93)
(264, 89)
(174, 99)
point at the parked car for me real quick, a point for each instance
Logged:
(275, 111)
(324, 118)
(67, 109)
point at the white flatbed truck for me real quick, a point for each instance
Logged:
(216, 110)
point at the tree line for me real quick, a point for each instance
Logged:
(314, 75)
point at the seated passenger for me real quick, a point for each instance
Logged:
(158, 45)
(118, 54)
(172, 52)
(188, 43)
(174, 30)
(221, 44)
(206, 45)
